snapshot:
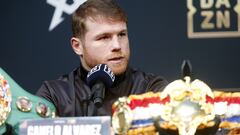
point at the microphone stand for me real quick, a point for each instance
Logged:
(98, 90)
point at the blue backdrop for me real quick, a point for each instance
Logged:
(159, 40)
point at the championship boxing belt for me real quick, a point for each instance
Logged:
(16, 104)
(183, 107)
(227, 105)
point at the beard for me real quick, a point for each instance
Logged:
(117, 68)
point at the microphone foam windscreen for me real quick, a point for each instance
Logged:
(101, 73)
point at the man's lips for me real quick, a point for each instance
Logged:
(115, 59)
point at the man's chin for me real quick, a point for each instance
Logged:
(118, 71)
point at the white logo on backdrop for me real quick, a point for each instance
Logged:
(60, 7)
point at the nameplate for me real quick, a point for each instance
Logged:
(66, 126)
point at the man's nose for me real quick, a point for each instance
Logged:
(116, 44)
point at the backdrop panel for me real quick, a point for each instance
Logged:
(162, 34)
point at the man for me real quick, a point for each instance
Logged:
(100, 36)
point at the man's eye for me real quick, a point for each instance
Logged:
(122, 34)
(103, 38)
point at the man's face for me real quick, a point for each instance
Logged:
(105, 42)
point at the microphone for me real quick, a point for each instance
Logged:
(99, 78)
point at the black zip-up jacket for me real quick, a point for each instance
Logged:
(72, 96)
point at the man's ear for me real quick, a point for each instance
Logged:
(77, 45)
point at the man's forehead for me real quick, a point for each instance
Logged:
(103, 20)
(105, 24)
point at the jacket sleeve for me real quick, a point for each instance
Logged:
(61, 94)
(47, 92)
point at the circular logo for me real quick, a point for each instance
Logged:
(5, 99)
(43, 110)
(24, 104)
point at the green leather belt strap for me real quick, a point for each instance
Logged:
(37, 108)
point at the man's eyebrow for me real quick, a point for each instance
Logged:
(103, 34)
(109, 33)
(124, 30)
